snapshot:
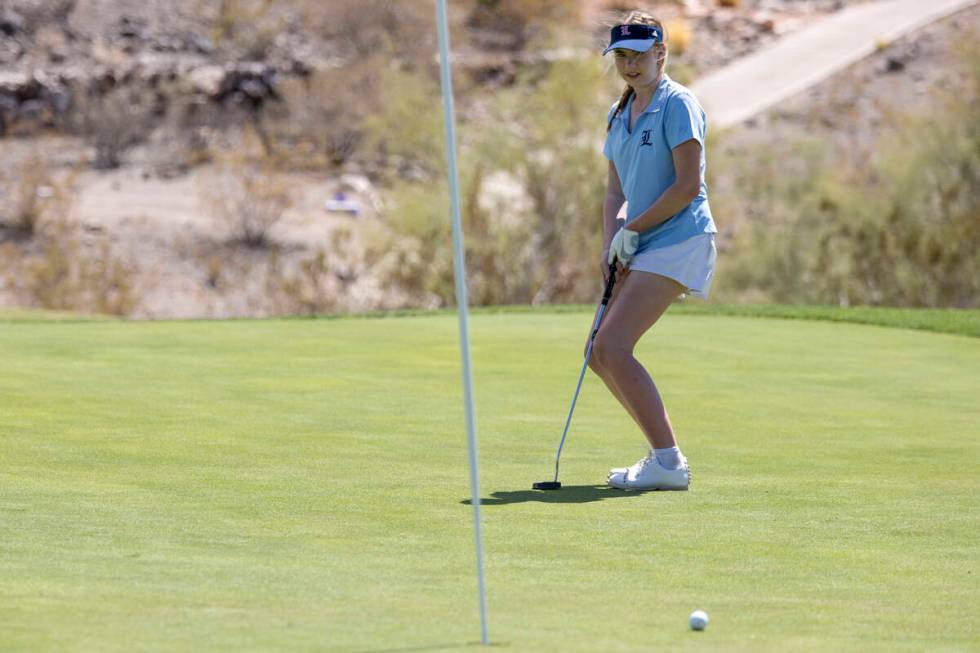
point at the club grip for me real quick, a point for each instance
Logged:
(607, 293)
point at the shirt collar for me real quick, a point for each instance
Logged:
(656, 102)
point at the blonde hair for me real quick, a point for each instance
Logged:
(640, 17)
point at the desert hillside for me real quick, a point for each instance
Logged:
(249, 157)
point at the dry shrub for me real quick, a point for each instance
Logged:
(38, 13)
(300, 288)
(65, 270)
(214, 268)
(527, 21)
(537, 242)
(311, 282)
(412, 250)
(247, 26)
(32, 192)
(248, 198)
(321, 122)
(113, 123)
(187, 134)
(324, 123)
(729, 3)
(399, 30)
(339, 114)
(407, 131)
(62, 266)
(678, 35)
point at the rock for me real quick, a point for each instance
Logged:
(60, 100)
(58, 55)
(764, 21)
(297, 66)
(11, 82)
(253, 88)
(128, 29)
(36, 99)
(10, 51)
(32, 111)
(894, 65)
(207, 80)
(252, 80)
(361, 186)
(201, 44)
(167, 43)
(246, 82)
(11, 23)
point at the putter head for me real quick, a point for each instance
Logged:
(547, 485)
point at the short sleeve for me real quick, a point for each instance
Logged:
(683, 120)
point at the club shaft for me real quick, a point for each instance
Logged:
(606, 296)
(578, 387)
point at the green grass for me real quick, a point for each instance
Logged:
(941, 320)
(301, 485)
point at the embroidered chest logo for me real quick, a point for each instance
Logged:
(646, 138)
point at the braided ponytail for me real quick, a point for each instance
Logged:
(627, 94)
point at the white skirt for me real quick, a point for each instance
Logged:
(690, 263)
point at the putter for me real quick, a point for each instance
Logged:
(555, 484)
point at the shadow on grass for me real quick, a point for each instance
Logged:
(567, 494)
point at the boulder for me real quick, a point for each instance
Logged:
(12, 82)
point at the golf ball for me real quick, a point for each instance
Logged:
(698, 620)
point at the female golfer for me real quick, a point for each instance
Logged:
(655, 146)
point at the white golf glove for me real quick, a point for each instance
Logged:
(623, 246)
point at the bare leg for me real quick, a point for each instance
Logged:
(641, 300)
(593, 363)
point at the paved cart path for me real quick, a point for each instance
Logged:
(754, 83)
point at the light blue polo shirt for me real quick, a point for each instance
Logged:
(645, 164)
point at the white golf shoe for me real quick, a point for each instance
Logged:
(648, 474)
(637, 464)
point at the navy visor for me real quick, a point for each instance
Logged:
(634, 37)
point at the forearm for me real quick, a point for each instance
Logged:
(610, 222)
(671, 202)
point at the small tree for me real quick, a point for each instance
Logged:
(249, 199)
(113, 123)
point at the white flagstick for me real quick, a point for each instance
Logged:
(461, 302)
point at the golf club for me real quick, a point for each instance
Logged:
(555, 484)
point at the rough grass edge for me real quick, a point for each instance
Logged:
(955, 321)
(41, 316)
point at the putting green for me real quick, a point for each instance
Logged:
(301, 485)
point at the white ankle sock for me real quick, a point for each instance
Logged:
(669, 458)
